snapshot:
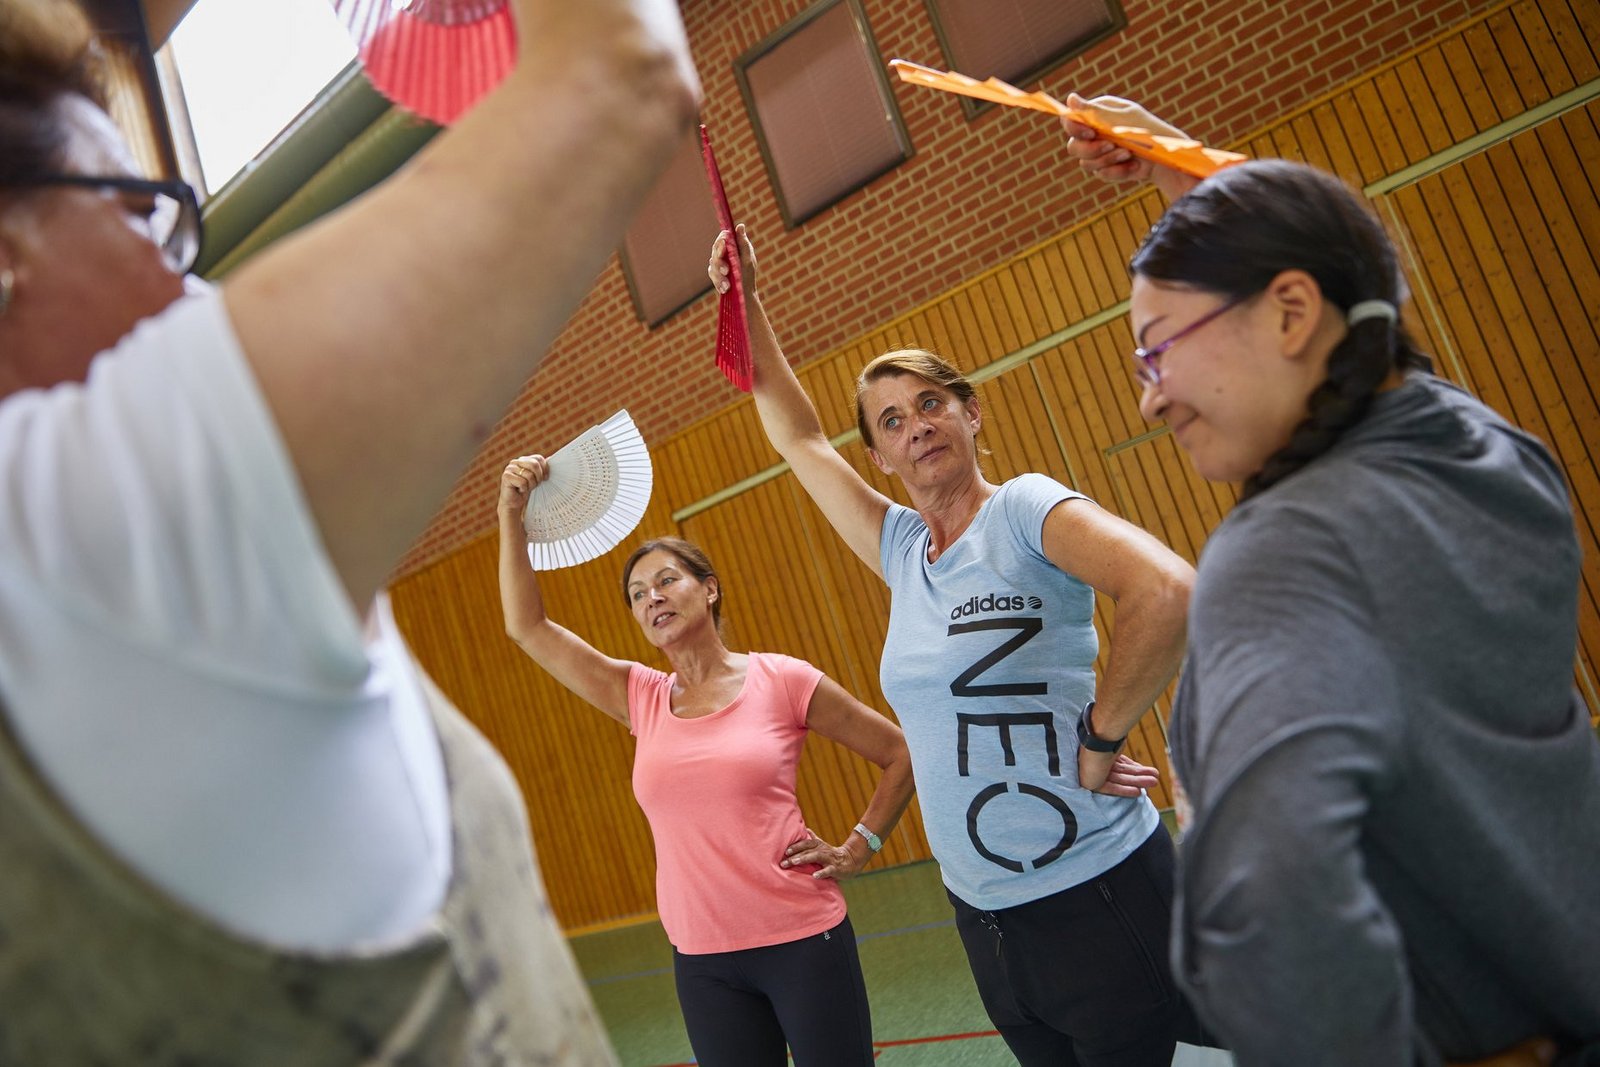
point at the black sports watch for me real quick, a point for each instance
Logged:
(1086, 736)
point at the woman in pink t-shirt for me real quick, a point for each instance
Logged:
(763, 953)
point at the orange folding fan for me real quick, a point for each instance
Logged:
(733, 329)
(1180, 153)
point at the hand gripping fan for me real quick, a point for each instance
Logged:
(594, 495)
(433, 57)
(1179, 153)
(733, 329)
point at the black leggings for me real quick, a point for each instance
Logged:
(1080, 978)
(741, 1008)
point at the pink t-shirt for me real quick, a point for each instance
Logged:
(719, 793)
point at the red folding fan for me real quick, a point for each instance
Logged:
(733, 329)
(433, 57)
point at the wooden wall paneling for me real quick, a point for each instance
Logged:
(1519, 63)
(1537, 34)
(1042, 279)
(1286, 144)
(1409, 138)
(1016, 430)
(966, 329)
(1336, 142)
(1475, 330)
(1105, 273)
(1435, 286)
(1438, 74)
(1572, 210)
(1577, 31)
(1432, 125)
(1124, 229)
(830, 385)
(1039, 322)
(1485, 42)
(1523, 330)
(860, 604)
(1481, 197)
(1005, 327)
(1573, 145)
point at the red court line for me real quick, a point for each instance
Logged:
(936, 1037)
(879, 1045)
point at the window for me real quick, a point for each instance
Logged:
(665, 250)
(1018, 40)
(248, 67)
(819, 100)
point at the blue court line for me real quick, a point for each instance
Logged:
(611, 979)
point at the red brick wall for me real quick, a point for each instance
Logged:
(974, 194)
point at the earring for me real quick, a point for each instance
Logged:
(8, 289)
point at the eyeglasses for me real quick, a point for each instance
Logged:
(169, 209)
(1149, 373)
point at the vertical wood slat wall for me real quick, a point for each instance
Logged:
(1501, 251)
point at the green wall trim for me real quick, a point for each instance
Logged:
(374, 154)
(346, 140)
(1504, 131)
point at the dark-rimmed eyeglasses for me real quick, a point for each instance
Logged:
(1149, 372)
(169, 210)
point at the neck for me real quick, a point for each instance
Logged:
(949, 510)
(700, 659)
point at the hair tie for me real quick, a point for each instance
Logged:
(1371, 309)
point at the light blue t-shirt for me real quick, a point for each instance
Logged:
(988, 661)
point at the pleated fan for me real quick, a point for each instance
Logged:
(1181, 153)
(733, 329)
(433, 57)
(593, 496)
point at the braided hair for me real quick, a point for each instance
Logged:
(1235, 232)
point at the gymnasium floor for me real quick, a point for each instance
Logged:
(925, 1009)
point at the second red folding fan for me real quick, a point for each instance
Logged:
(733, 329)
(433, 57)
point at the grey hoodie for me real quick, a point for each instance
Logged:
(1394, 849)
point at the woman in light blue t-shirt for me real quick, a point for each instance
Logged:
(1055, 861)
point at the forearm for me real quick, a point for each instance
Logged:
(1286, 947)
(787, 414)
(1147, 643)
(1172, 183)
(890, 799)
(521, 601)
(392, 335)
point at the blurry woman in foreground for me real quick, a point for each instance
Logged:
(232, 831)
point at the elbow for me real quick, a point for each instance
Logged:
(523, 632)
(1177, 586)
(649, 63)
(899, 761)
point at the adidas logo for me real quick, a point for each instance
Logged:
(996, 602)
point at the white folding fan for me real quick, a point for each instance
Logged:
(593, 496)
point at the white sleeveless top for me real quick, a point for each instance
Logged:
(180, 663)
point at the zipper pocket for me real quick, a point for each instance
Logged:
(1151, 969)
